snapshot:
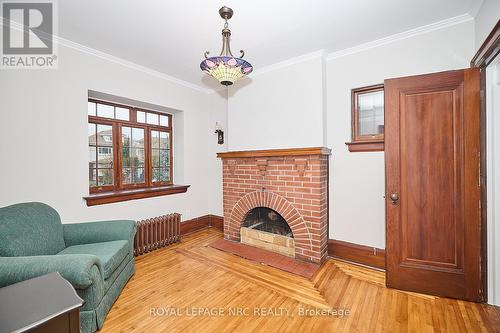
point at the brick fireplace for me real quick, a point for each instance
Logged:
(292, 183)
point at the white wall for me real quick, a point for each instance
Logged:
(485, 20)
(43, 138)
(281, 108)
(357, 206)
(284, 107)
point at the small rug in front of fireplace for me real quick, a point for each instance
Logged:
(269, 258)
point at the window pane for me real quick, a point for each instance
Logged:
(138, 175)
(91, 109)
(164, 158)
(155, 175)
(371, 113)
(132, 175)
(126, 175)
(160, 175)
(126, 136)
(122, 113)
(104, 135)
(92, 166)
(164, 175)
(138, 137)
(155, 158)
(138, 155)
(152, 118)
(92, 156)
(141, 117)
(163, 120)
(155, 139)
(164, 140)
(106, 111)
(92, 136)
(92, 177)
(132, 157)
(104, 177)
(105, 157)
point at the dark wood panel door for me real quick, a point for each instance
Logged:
(432, 152)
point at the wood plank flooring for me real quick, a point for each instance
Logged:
(192, 287)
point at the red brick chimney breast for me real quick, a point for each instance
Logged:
(293, 182)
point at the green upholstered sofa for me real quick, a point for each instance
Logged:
(96, 257)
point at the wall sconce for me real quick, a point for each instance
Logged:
(220, 133)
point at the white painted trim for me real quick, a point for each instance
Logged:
(400, 36)
(129, 64)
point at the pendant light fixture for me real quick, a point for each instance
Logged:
(226, 68)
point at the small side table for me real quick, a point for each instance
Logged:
(47, 303)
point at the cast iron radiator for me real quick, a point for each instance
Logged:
(157, 232)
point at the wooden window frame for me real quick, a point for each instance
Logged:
(360, 143)
(118, 191)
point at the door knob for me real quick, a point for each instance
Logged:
(394, 198)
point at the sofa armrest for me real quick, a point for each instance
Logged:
(76, 268)
(96, 232)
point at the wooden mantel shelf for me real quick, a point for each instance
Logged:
(276, 152)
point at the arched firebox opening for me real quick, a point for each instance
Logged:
(267, 220)
(265, 228)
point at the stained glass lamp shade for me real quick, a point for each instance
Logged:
(226, 68)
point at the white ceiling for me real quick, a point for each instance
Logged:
(171, 36)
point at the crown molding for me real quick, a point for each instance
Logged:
(400, 36)
(132, 65)
(120, 61)
(279, 65)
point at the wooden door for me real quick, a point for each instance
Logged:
(432, 154)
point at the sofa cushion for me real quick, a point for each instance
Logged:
(30, 229)
(111, 254)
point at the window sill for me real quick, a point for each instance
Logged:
(124, 195)
(361, 146)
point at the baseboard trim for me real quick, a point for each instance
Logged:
(200, 223)
(360, 254)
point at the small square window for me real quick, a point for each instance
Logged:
(367, 119)
(141, 117)
(152, 118)
(105, 110)
(163, 121)
(91, 109)
(122, 113)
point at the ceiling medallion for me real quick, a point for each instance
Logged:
(226, 68)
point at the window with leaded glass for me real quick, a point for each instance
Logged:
(128, 147)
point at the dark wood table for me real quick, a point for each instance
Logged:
(47, 303)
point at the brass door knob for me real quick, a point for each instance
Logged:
(394, 198)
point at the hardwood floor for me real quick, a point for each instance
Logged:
(173, 287)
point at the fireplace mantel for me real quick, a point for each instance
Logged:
(276, 152)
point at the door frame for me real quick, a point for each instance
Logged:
(488, 51)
